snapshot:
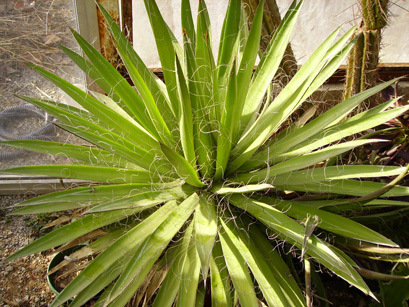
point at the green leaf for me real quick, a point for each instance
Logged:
(187, 23)
(219, 278)
(329, 221)
(289, 230)
(245, 71)
(99, 284)
(129, 97)
(117, 250)
(339, 205)
(85, 172)
(182, 167)
(144, 199)
(260, 243)
(238, 270)
(86, 127)
(337, 132)
(169, 289)
(203, 80)
(90, 70)
(47, 208)
(251, 188)
(284, 104)
(346, 187)
(202, 141)
(229, 37)
(224, 142)
(155, 85)
(124, 48)
(99, 193)
(268, 65)
(228, 48)
(185, 118)
(330, 117)
(336, 55)
(98, 113)
(72, 231)
(165, 49)
(205, 230)
(300, 162)
(189, 277)
(149, 252)
(136, 271)
(265, 277)
(145, 159)
(337, 172)
(91, 155)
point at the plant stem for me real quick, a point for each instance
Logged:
(363, 61)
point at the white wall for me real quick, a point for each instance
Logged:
(143, 40)
(317, 20)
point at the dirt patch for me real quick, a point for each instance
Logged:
(23, 281)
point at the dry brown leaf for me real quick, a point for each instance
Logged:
(77, 255)
(60, 220)
(156, 281)
(50, 39)
(89, 236)
(10, 70)
(24, 5)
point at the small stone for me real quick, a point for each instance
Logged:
(9, 268)
(24, 5)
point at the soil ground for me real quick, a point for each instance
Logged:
(23, 281)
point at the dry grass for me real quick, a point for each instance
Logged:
(31, 36)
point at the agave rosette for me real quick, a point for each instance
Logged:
(187, 174)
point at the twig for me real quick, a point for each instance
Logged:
(46, 17)
(8, 301)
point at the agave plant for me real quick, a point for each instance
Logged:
(197, 181)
